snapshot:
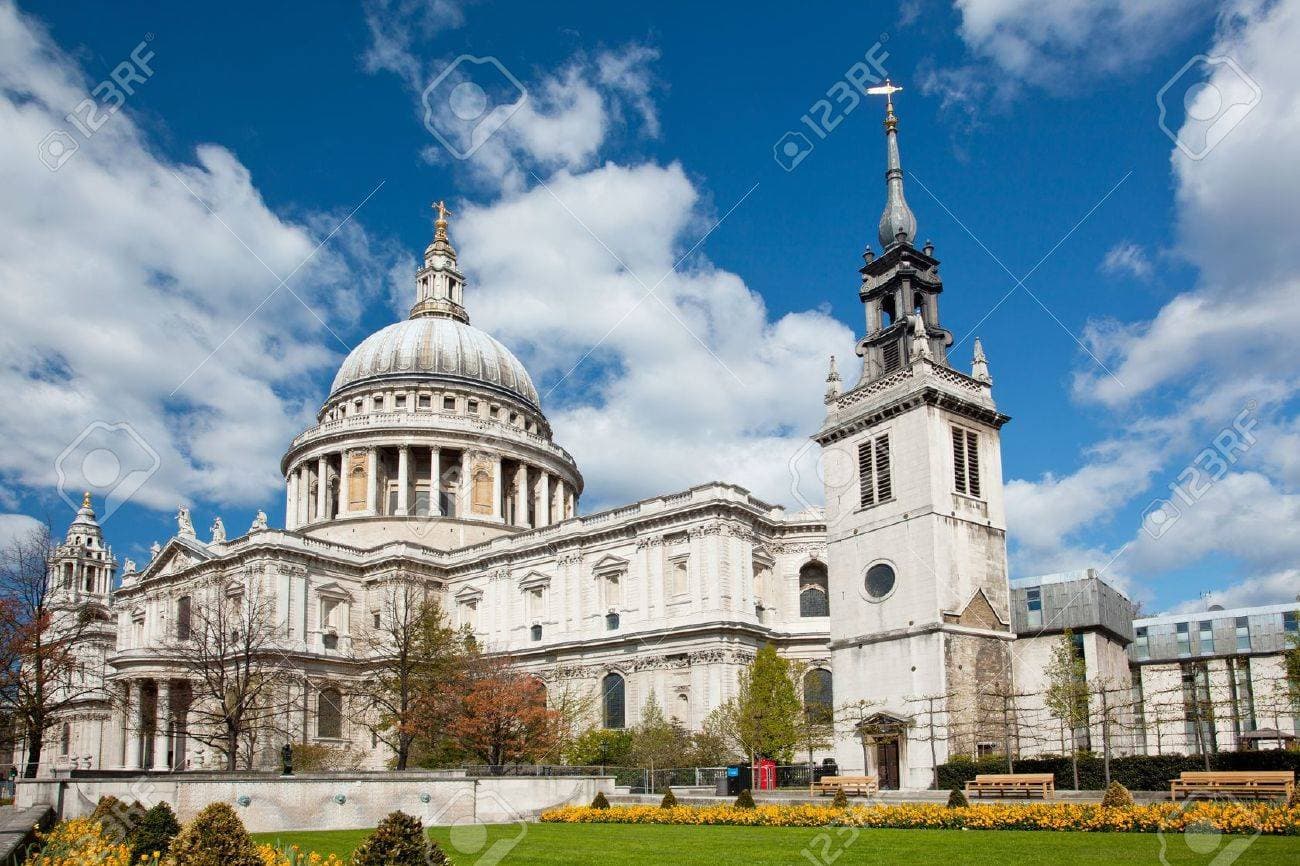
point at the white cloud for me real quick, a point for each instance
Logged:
(15, 526)
(1274, 588)
(398, 27)
(1223, 346)
(117, 282)
(1127, 259)
(693, 383)
(1060, 43)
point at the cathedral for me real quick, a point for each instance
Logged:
(431, 461)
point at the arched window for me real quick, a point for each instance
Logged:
(818, 695)
(613, 700)
(329, 714)
(814, 594)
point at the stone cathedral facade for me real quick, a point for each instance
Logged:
(432, 462)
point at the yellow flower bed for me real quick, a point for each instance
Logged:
(79, 842)
(1224, 817)
(293, 856)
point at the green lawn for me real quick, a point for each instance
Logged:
(605, 844)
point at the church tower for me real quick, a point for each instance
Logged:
(920, 629)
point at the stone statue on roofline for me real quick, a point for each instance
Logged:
(218, 531)
(185, 526)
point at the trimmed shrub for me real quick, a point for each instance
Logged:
(841, 799)
(1116, 796)
(957, 799)
(599, 801)
(114, 817)
(216, 837)
(154, 832)
(399, 840)
(745, 800)
(669, 800)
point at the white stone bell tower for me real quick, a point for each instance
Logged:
(920, 629)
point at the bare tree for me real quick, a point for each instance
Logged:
(231, 648)
(410, 649)
(574, 704)
(934, 730)
(45, 670)
(1004, 703)
(1067, 693)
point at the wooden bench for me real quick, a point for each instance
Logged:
(1025, 784)
(1237, 783)
(860, 786)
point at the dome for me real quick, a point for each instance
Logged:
(440, 347)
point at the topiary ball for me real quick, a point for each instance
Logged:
(956, 799)
(841, 799)
(154, 833)
(745, 800)
(1116, 796)
(599, 801)
(216, 837)
(399, 840)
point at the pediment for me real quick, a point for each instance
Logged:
(608, 563)
(332, 589)
(175, 556)
(468, 594)
(534, 579)
(978, 613)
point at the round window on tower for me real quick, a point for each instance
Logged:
(880, 581)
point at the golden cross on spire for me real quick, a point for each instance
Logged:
(443, 211)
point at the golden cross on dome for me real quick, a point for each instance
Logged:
(443, 212)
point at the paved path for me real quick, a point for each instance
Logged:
(16, 830)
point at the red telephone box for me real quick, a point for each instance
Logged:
(765, 775)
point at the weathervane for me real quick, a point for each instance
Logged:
(888, 89)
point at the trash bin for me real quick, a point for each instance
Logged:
(737, 778)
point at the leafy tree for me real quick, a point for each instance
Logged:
(656, 741)
(710, 746)
(1066, 696)
(412, 652)
(503, 716)
(601, 747)
(763, 718)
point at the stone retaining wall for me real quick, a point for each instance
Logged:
(350, 801)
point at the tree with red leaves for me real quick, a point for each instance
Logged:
(503, 717)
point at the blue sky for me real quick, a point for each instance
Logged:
(1029, 133)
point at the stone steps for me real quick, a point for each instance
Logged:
(17, 830)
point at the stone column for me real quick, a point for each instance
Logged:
(521, 495)
(134, 717)
(122, 723)
(372, 480)
(322, 487)
(160, 725)
(435, 482)
(304, 493)
(544, 500)
(496, 487)
(343, 484)
(290, 500)
(403, 462)
(557, 500)
(463, 494)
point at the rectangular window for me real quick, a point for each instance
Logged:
(966, 461)
(1206, 637)
(875, 484)
(449, 404)
(1243, 634)
(1184, 639)
(379, 404)
(1198, 712)
(183, 628)
(399, 402)
(1034, 604)
(472, 407)
(679, 576)
(423, 401)
(1142, 644)
(1290, 625)
(1139, 709)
